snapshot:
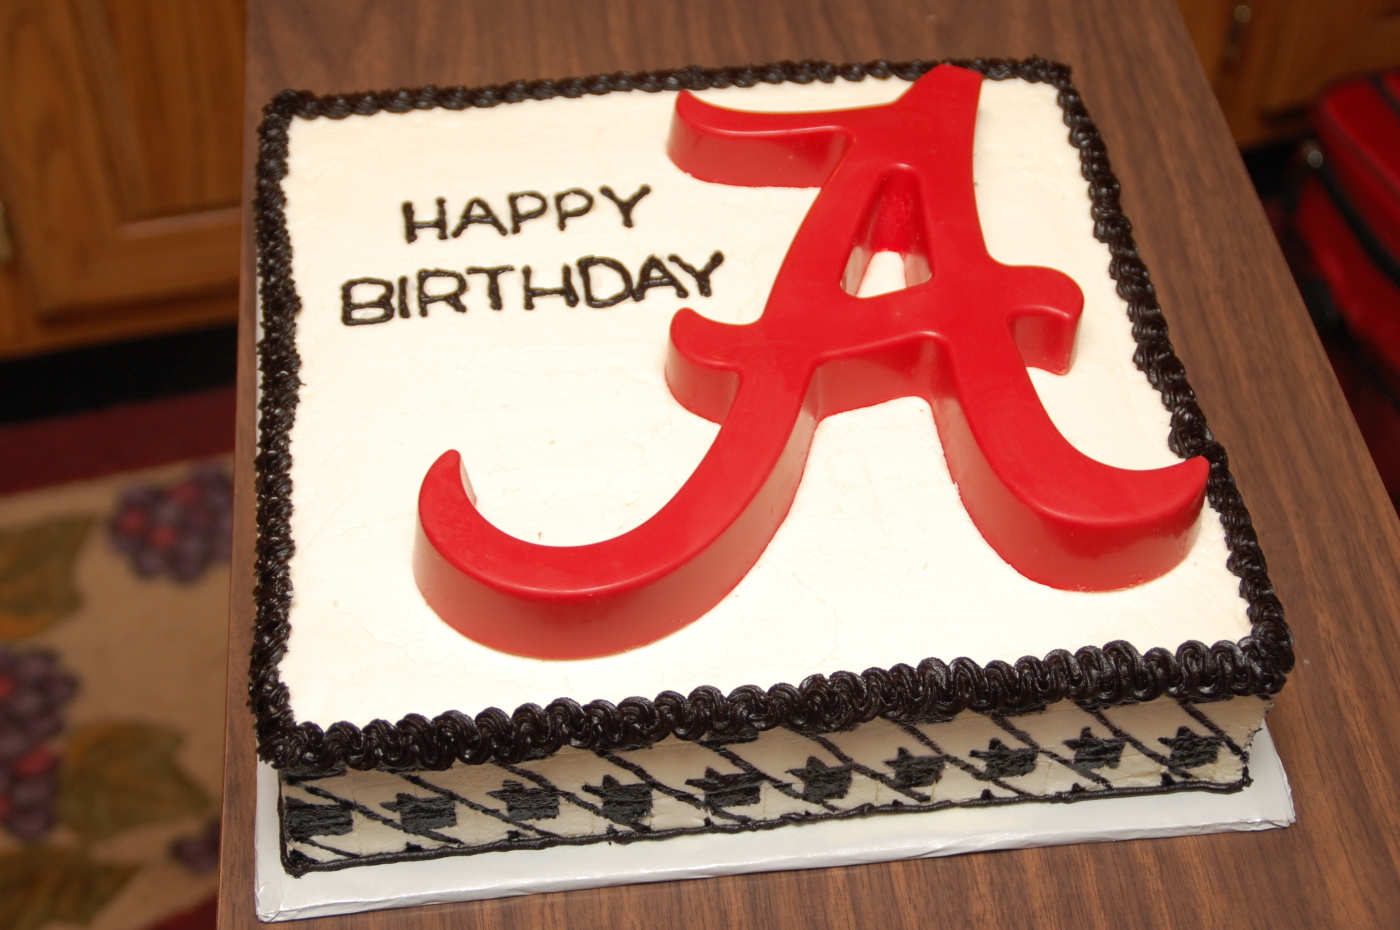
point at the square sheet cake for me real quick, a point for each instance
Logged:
(503, 273)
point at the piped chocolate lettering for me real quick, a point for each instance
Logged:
(403, 296)
(384, 302)
(411, 224)
(517, 217)
(471, 216)
(624, 206)
(702, 275)
(566, 214)
(566, 290)
(585, 269)
(453, 298)
(655, 274)
(493, 282)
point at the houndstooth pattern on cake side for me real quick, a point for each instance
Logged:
(767, 780)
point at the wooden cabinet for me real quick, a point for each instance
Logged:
(119, 167)
(1267, 59)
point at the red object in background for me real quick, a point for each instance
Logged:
(1358, 124)
(1360, 292)
(894, 178)
(1347, 221)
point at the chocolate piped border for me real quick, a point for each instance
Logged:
(1116, 674)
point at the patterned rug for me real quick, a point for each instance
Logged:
(113, 623)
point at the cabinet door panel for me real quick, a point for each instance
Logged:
(120, 149)
(1268, 59)
(169, 78)
(1319, 43)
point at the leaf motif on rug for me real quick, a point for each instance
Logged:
(36, 574)
(121, 775)
(39, 884)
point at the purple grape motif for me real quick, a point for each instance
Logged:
(199, 853)
(33, 690)
(179, 529)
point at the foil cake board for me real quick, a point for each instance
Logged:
(1264, 805)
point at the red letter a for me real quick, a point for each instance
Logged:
(894, 178)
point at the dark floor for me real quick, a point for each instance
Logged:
(117, 373)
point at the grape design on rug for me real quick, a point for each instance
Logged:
(102, 816)
(33, 690)
(179, 529)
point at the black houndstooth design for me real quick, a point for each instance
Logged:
(765, 780)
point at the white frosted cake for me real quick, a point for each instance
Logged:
(396, 233)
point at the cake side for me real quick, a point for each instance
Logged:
(1255, 664)
(754, 781)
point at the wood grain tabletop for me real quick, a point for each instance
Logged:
(1332, 539)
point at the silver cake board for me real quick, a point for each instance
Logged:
(1265, 805)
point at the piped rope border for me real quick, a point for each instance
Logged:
(1256, 665)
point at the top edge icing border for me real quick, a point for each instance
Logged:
(1117, 673)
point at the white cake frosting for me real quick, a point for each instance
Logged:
(570, 435)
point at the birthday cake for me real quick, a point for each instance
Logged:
(724, 450)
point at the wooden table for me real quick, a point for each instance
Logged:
(1323, 518)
